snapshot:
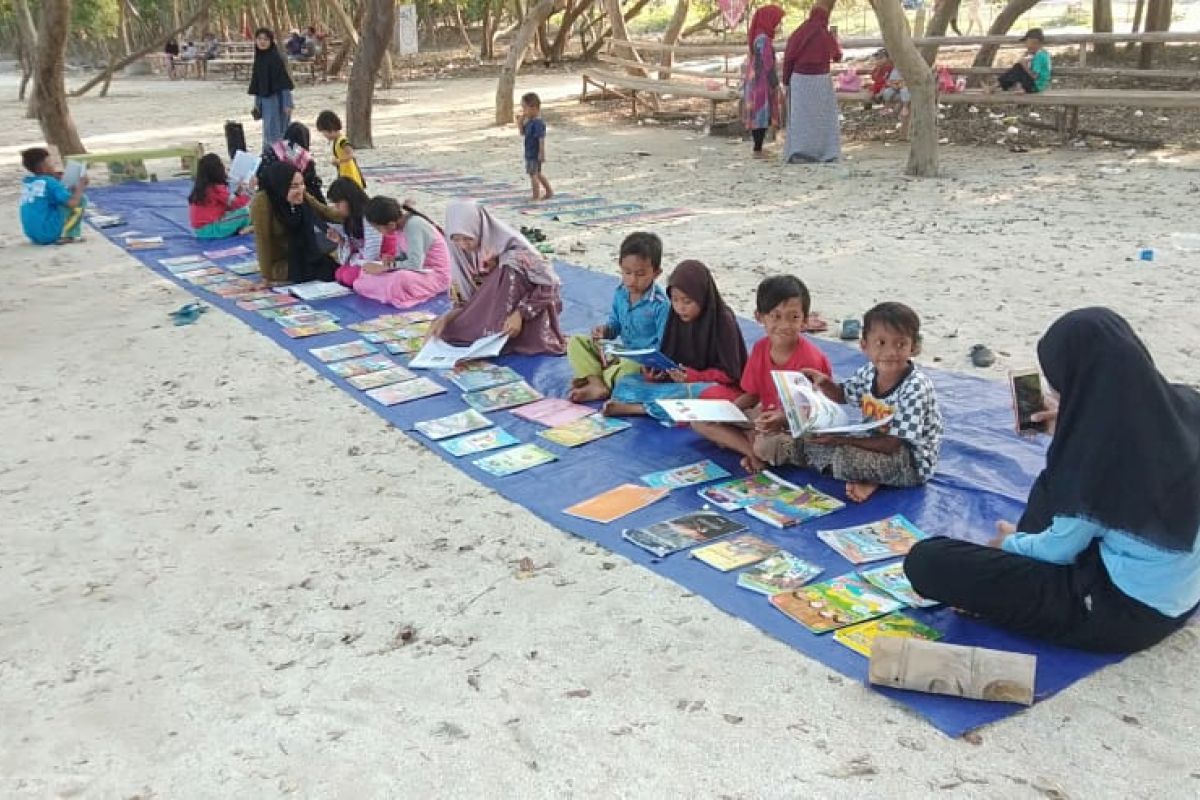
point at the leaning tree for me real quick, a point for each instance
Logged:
(49, 87)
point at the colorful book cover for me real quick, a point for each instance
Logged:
(243, 268)
(202, 273)
(514, 459)
(409, 333)
(259, 294)
(301, 331)
(274, 300)
(874, 541)
(500, 397)
(738, 551)
(289, 311)
(478, 442)
(782, 572)
(318, 290)
(228, 252)
(179, 264)
(453, 425)
(340, 352)
(475, 376)
(794, 507)
(361, 366)
(235, 289)
(404, 392)
(302, 318)
(836, 603)
(384, 377)
(144, 242)
(585, 430)
(678, 533)
(687, 475)
(860, 637)
(553, 412)
(616, 503)
(742, 492)
(893, 580)
(414, 320)
(403, 346)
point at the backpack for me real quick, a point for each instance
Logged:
(945, 81)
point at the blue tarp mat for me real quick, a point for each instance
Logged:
(984, 474)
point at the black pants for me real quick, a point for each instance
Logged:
(760, 136)
(1075, 605)
(1018, 75)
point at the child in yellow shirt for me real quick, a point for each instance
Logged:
(330, 126)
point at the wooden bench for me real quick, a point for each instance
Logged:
(130, 165)
(672, 82)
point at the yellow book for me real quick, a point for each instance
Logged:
(739, 551)
(859, 637)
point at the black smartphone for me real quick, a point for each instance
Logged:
(1028, 399)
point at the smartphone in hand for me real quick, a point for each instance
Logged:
(1028, 399)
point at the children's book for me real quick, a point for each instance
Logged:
(514, 460)
(235, 289)
(650, 358)
(874, 541)
(213, 278)
(301, 317)
(703, 411)
(389, 321)
(178, 264)
(453, 425)
(243, 268)
(893, 580)
(302, 331)
(259, 294)
(741, 492)
(553, 412)
(284, 312)
(738, 551)
(361, 366)
(688, 475)
(679, 533)
(582, 431)
(201, 272)
(318, 290)
(403, 346)
(478, 442)
(340, 352)
(274, 300)
(73, 172)
(860, 637)
(384, 377)
(436, 354)
(106, 220)
(782, 572)
(793, 507)
(144, 242)
(242, 167)
(230, 252)
(809, 411)
(474, 376)
(509, 395)
(836, 603)
(404, 392)
(616, 503)
(395, 335)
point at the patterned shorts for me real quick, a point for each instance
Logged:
(846, 463)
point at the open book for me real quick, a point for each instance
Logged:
(650, 357)
(73, 172)
(243, 167)
(436, 354)
(808, 410)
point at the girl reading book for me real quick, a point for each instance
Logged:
(213, 211)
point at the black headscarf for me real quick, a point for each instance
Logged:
(711, 341)
(307, 259)
(1126, 447)
(269, 75)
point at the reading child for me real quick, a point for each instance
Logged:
(1032, 72)
(702, 336)
(411, 263)
(330, 126)
(905, 451)
(213, 211)
(51, 213)
(638, 317)
(531, 125)
(781, 307)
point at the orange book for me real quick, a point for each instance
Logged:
(616, 503)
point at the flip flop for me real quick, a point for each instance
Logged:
(851, 329)
(982, 356)
(187, 313)
(815, 324)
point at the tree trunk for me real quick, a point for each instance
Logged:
(943, 13)
(29, 33)
(674, 28)
(1102, 22)
(377, 32)
(574, 11)
(923, 149)
(54, 116)
(616, 22)
(1158, 18)
(491, 17)
(462, 27)
(1000, 26)
(607, 33)
(705, 23)
(516, 54)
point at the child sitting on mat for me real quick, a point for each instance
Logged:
(50, 212)
(357, 242)
(702, 336)
(213, 211)
(781, 307)
(905, 451)
(639, 314)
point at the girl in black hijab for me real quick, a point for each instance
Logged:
(293, 149)
(1105, 556)
(289, 228)
(271, 86)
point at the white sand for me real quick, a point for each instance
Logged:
(209, 553)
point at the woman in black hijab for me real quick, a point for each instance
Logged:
(271, 87)
(1106, 556)
(289, 228)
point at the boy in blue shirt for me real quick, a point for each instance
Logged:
(1032, 72)
(50, 213)
(639, 316)
(533, 128)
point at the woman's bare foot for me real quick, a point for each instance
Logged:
(1004, 527)
(752, 464)
(614, 408)
(588, 390)
(860, 491)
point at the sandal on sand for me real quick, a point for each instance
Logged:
(188, 313)
(851, 329)
(982, 356)
(815, 324)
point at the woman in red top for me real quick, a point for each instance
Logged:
(213, 212)
(814, 131)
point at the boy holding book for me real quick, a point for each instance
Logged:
(50, 212)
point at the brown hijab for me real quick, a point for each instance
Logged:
(711, 341)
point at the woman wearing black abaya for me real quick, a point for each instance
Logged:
(271, 86)
(1106, 556)
(288, 228)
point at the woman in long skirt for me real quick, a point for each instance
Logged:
(813, 130)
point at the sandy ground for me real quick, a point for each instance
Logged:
(221, 577)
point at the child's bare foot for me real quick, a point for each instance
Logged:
(859, 491)
(753, 464)
(591, 390)
(1004, 527)
(246, 230)
(614, 408)
(548, 195)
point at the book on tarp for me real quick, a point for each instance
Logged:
(835, 603)
(809, 411)
(616, 503)
(894, 580)
(340, 352)
(874, 541)
(781, 572)
(650, 358)
(106, 220)
(361, 366)
(301, 317)
(514, 460)
(584, 430)
(478, 442)
(406, 391)
(243, 267)
(383, 377)
(453, 425)
(304, 331)
(553, 412)
(687, 475)
(270, 300)
(703, 411)
(474, 376)
(735, 552)
(682, 532)
(230, 252)
(860, 637)
(794, 506)
(509, 395)
(318, 290)
(741, 492)
(144, 242)
(436, 354)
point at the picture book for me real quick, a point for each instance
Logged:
(553, 412)
(243, 268)
(859, 637)
(340, 352)
(478, 442)
(318, 290)
(178, 264)
(474, 376)
(144, 242)
(301, 331)
(893, 580)
(509, 395)
(679, 533)
(782, 572)
(453, 425)
(200, 272)
(395, 335)
(361, 366)
(616, 503)
(274, 300)
(738, 551)
(403, 346)
(741, 492)
(73, 172)
(259, 294)
(836, 603)
(384, 377)
(514, 460)
(874, 541)
(283, 312)
(106, 220)
(230, 252)
(436, 354)
(687, 475)
(809, 411)
(301, 317)
(795, 506)
(582, 431)
(213, 278)
(650, 358)
(404, 392)
(234, 289)
(703, 411)
(389, 321)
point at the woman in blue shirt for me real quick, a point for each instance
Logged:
(1106, 556)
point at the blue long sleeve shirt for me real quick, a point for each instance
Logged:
(1165, 580)
(639, 325)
